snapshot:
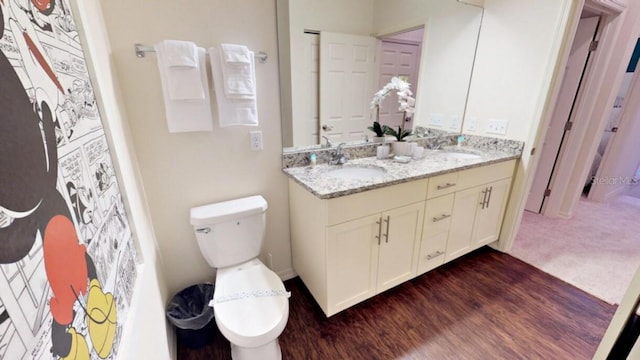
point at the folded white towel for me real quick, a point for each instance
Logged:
(238, 71)
(182, 69)
(180, 53)
(231, 111)
(233, 53)
(187, 115)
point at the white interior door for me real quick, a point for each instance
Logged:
(347, 73)
(561, 114)
(402, 60)
(305, 124)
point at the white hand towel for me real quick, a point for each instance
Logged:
(231, 111)
(233, 53)
(187, 115)
(182, 69)
(238, 70)
(180, 53)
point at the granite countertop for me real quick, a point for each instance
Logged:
(323, 185)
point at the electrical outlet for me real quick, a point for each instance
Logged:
(256, 140)
(436, 119)
(497, 126)
(454, 122)
(471, 124)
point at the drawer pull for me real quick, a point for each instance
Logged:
(441, 217)
(445, 186)
(434, 255)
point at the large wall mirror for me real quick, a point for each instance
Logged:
(335, 54)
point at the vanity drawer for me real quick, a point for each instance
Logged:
(465, 179)
(432, 252)
(442, 184)
(485, 174)
(369, 202)
(437, 215)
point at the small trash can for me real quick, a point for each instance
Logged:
(190, 313)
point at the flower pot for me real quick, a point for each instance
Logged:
(402, 148)
(378, 139)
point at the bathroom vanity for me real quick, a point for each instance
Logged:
(354, 237)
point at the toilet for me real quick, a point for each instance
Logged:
(250, 303)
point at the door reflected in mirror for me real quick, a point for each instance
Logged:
(331, 65)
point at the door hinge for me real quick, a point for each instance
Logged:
(568, 125)
(547, 192)
(533, 151)
(593, 46)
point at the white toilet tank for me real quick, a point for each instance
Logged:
(230, 232)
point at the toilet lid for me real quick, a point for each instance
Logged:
(250, 303)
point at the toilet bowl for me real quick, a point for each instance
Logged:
(250, 303)
(251, 309)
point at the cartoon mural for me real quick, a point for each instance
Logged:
(67, 259)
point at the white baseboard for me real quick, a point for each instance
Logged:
(287, 274)
(620, 190)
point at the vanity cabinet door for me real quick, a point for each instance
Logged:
(400, 241)
(352, 262)
(477, 217)
(490, 213)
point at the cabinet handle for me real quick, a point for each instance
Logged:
(434, 255)
(441, 217)
(379, 222)
(489, 191)
(447, 185)
(386, 235)
(204, 230)
(484, 197)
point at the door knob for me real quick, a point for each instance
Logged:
(326, 127)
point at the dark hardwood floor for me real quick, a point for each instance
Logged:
(486, 305)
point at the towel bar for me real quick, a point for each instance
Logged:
(141, 51)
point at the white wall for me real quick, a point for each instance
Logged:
(189, 169)
(146, 335)
(516, 50)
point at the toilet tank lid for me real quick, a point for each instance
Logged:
(227, 210)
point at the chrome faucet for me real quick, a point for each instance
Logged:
(338, 158)
(327, 144)
(437, 144)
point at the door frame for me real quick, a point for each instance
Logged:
(605, 78)
(575, 159)
(557, 132)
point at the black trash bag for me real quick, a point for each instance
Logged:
(189, 309)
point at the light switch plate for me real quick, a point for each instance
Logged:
(497, 126)
(436, 119)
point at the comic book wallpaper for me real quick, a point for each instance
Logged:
(67, 258)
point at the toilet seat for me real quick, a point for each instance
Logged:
(250, 304)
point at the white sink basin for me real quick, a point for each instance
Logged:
(354, 172)
(460, 155)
